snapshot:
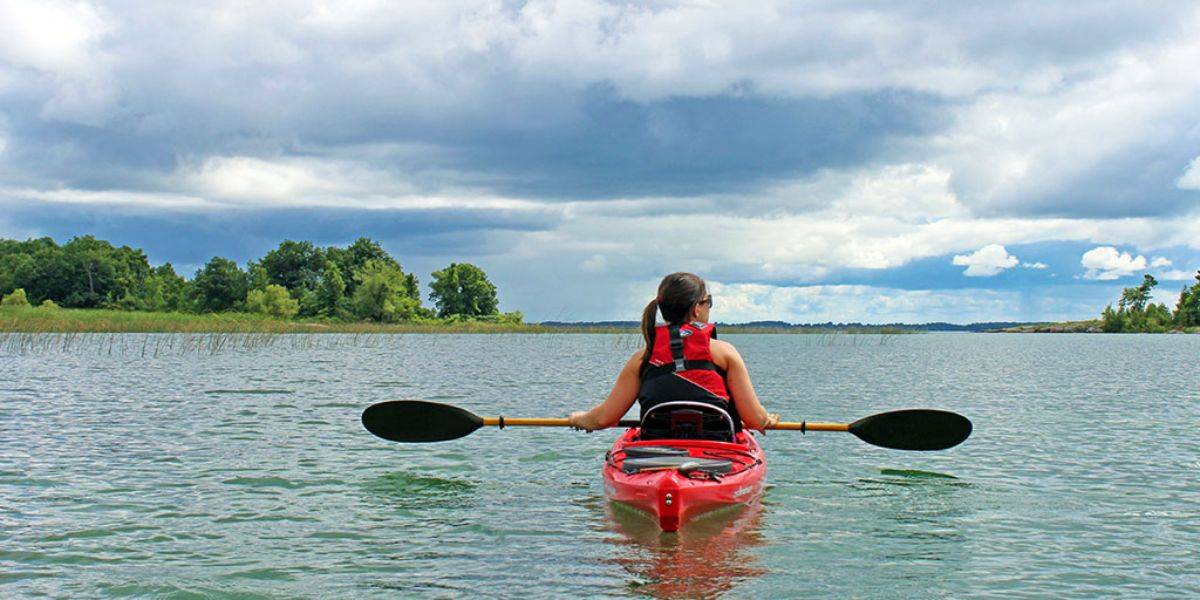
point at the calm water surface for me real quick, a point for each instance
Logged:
(246, 473)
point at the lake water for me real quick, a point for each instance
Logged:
(246, 473)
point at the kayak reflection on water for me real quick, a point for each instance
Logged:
(706, 558)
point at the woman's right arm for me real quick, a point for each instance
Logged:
(620, 399)
(753, 414)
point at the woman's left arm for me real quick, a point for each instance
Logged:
(753, 414)
(624, 392)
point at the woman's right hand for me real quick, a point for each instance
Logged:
(579, 420)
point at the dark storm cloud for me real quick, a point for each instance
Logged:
(694, 146)
(193, 238)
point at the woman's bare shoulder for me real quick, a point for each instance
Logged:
(722, 352)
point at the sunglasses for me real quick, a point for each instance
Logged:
(708, 300)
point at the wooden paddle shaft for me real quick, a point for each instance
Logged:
(806, 426)
(559, 422)
(519, 422)
(535, 422)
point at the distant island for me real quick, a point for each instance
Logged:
(828, 326)
(296, 286)
(1134, 314)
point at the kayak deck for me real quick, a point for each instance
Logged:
(674, 481)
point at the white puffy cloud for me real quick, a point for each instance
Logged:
(1106, 263)
(986, 261)
(1190, 180)
(52, 36)
(1034, 265)
(1014, 150)
(1160, 261)
(597, 262)
(62, 41)
(1176, 275)
(866, 304)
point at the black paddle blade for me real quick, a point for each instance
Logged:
(914, 429)
(419, 421)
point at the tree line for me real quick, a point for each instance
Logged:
(1136, 314)
(361, 281)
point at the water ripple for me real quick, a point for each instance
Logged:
(246, 473)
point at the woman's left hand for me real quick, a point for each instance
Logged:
(769, 422)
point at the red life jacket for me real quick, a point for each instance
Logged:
(681, 368)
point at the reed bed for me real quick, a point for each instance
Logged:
(36, 320)
(153, 345)
(25, 330)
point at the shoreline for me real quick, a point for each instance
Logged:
(1088, 326)
(77, 320)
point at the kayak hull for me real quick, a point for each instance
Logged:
(673, 498)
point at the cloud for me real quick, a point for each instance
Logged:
(603, 100)
(1177, 275)
(1106, 263)
(1160, 261)
(62, 42)
(1095, 143)
(630, 139)
(597, 262)
(1190, 180)
(1033, 265)
(986, 261)
(867, 304)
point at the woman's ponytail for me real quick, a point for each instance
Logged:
(649, 315)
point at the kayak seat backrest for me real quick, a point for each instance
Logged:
(687, 420)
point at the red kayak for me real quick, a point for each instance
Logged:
(676, 480)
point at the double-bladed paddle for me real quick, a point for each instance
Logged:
(421, 421)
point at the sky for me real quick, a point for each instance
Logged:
(813, 161)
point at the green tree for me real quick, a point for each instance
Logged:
(37, 265)
(274, 300)
(1135, 299)
(1156, 318)
(383, 294)
(219, 286)
(258, 277)
(329, 299)
(161, 290)
(1112, 321)
(1187, 311)
(174, 288)
(463, 289)
(96, 274)
(48, 304)
(296, 266)
(353, 258)
(16, 298)
(17, 270)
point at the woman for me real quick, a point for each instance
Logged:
(701, 367)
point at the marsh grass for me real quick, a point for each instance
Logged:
(24, 319)
(26, 330)
(33, 320)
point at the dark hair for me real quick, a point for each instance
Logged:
(677, 294)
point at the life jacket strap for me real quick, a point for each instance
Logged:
(677, 347)
(688, 365)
